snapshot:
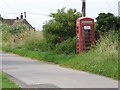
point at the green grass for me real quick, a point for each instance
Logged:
(88, 61)
(6, 83)
(0, 81)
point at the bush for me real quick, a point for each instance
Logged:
(12, 33)
(66, 47)
(61, 27)
(14, 29)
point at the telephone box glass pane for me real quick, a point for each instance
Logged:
(87, 37)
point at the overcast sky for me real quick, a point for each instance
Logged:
(38, 10)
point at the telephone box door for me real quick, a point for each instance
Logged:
(85, 34)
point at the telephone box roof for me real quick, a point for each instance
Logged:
(85, 18)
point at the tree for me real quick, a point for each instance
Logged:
(61, 27)
(118, 23)
(106, 22)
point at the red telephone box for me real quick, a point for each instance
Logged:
(84, 34)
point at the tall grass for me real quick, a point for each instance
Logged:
(103, 59)
(27, 39)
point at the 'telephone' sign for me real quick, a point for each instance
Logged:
(85, 22)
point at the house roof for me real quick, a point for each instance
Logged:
(13, 21)
(27, 23)
(9, 21)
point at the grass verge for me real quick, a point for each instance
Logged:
(6, 83)
(88, 61)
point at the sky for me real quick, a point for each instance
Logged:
(37, 11)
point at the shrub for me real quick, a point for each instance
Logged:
(61, 27)
(14, 29)
(66, 47)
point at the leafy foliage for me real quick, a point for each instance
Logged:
(107, 22)
(61, 27)
(14, 29)
(68, 46)
(9, 30)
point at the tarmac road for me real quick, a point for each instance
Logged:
(29, 73)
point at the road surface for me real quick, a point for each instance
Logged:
(32, 73)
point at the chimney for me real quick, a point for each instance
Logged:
(21, 16)
(83, 8)
(17, 18)
(25, 15)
